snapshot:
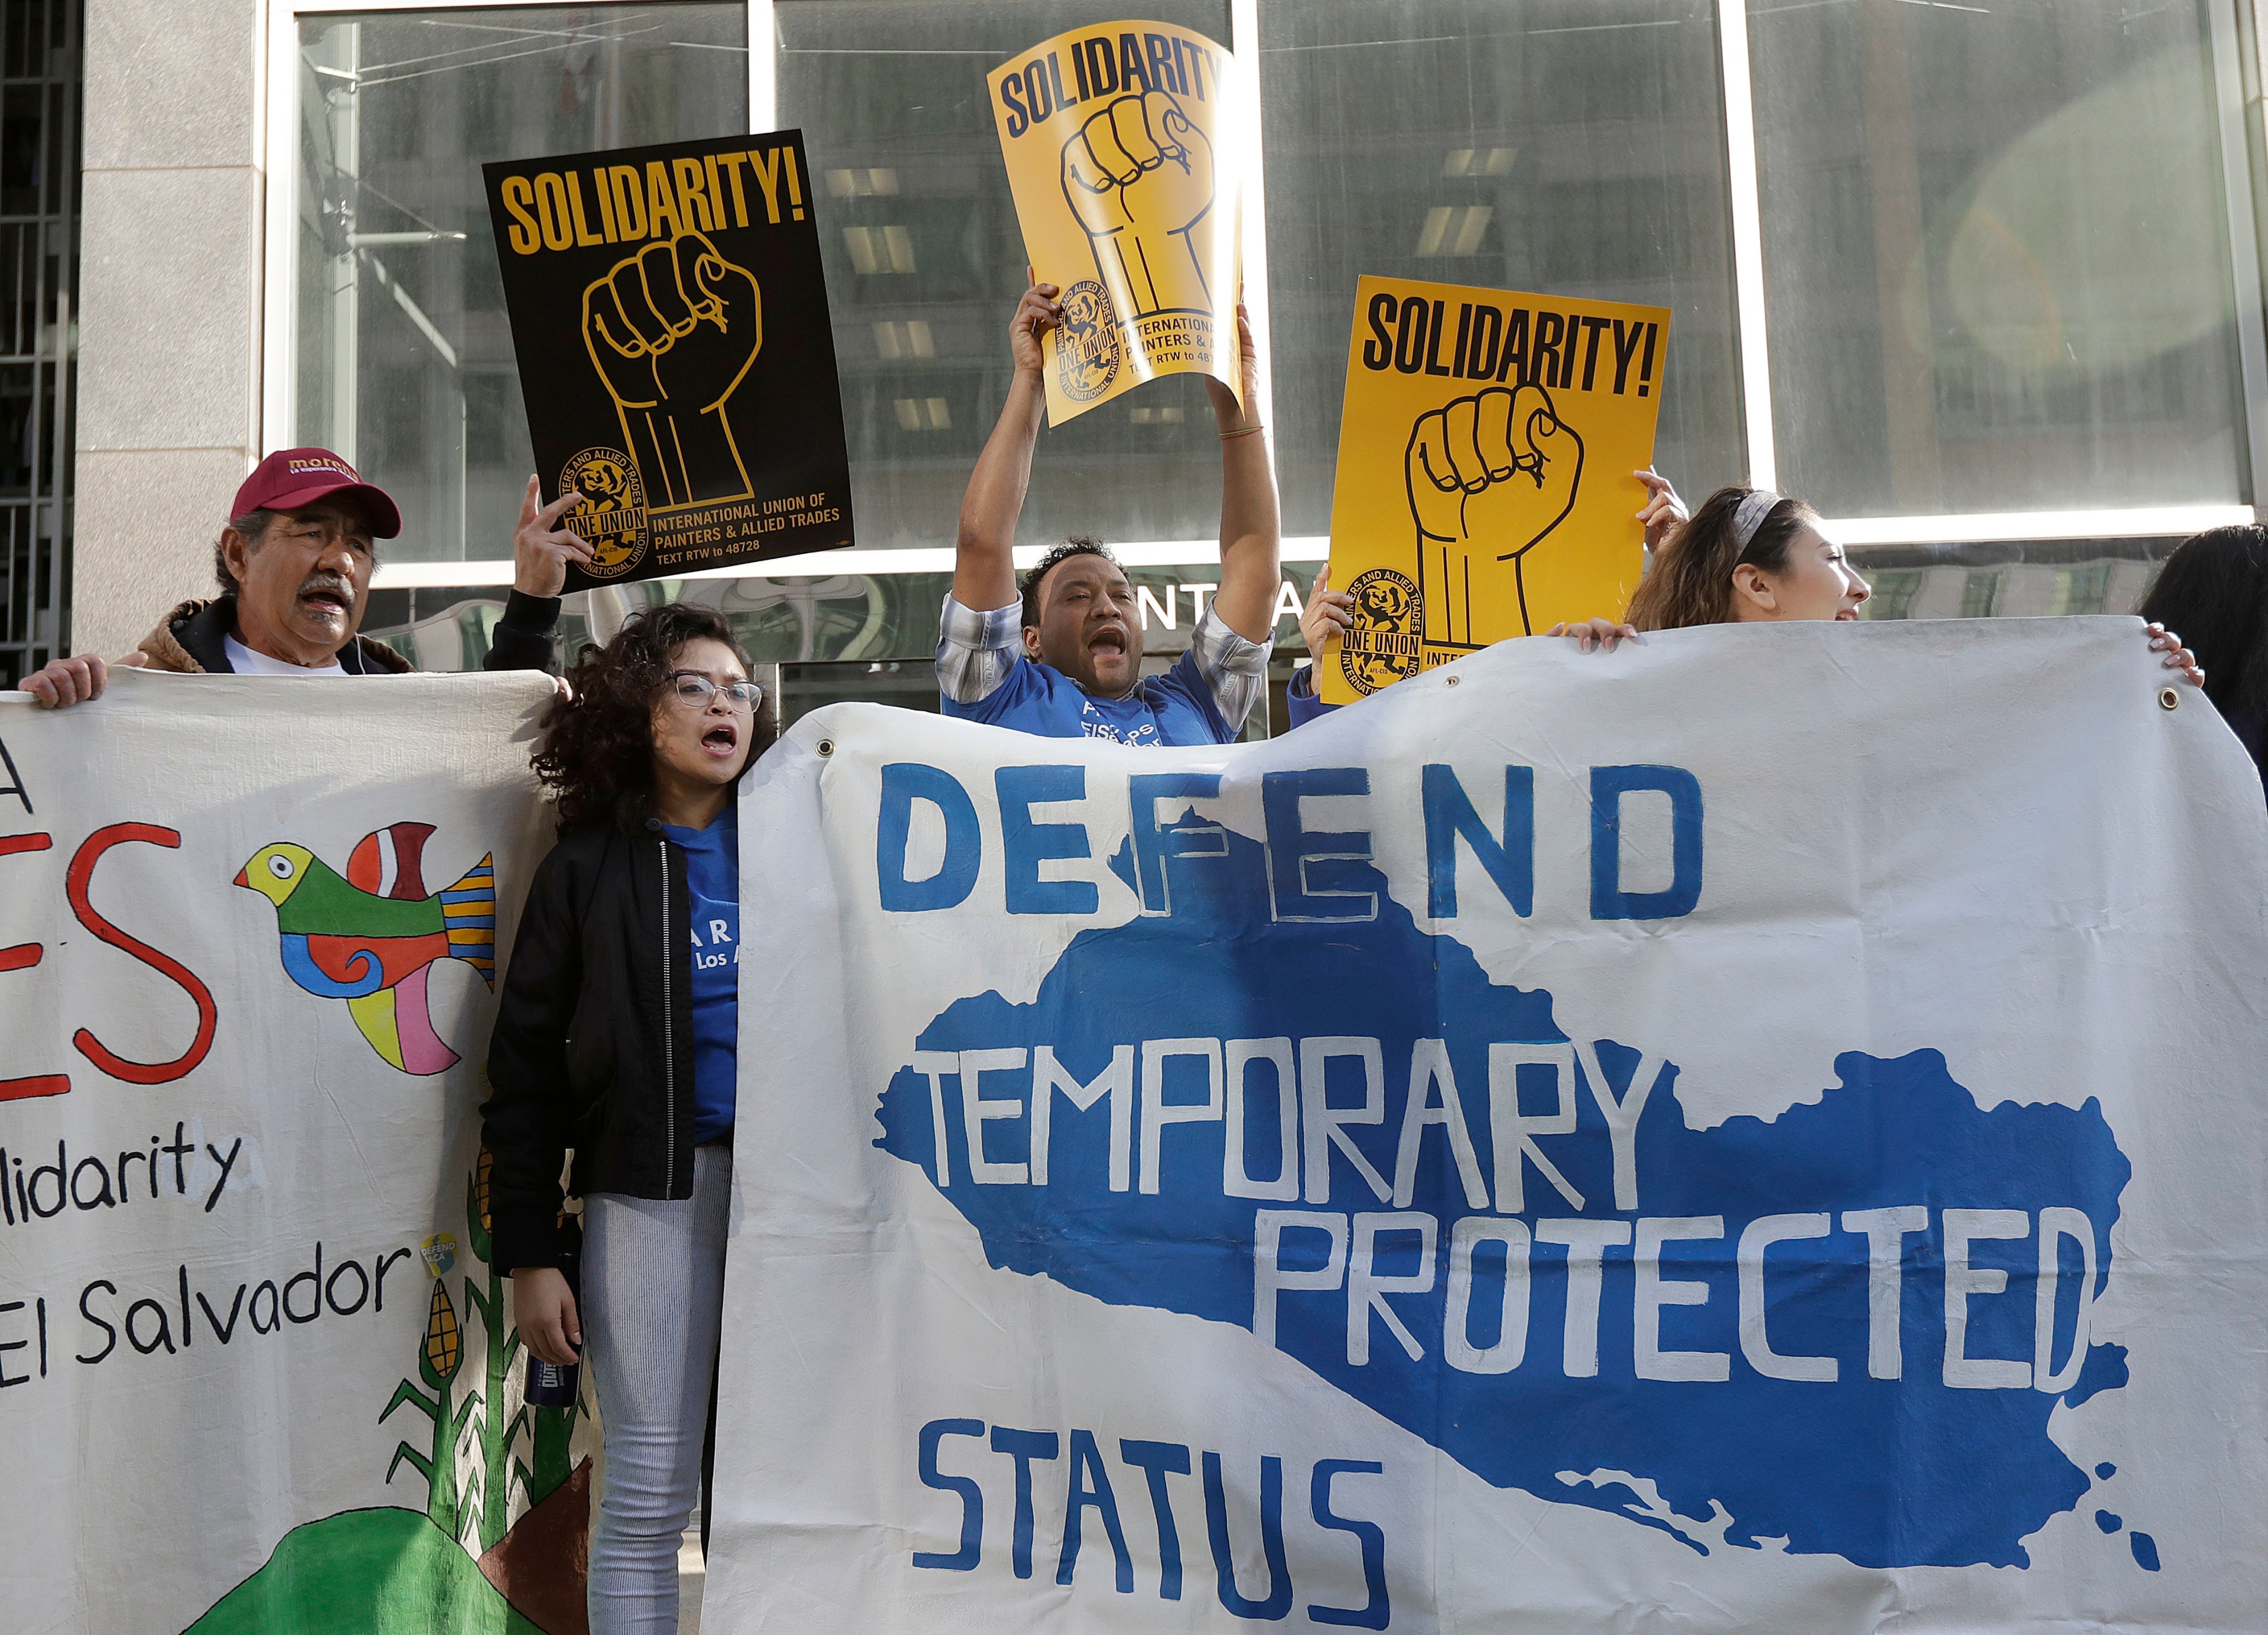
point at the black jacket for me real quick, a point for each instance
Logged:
(526, 636)
(593, 1043)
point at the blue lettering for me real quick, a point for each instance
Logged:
(1380, 1609)
(1293, 850)
(1511, 863)
(1154, 1460)
(1086, 1461)
(903, 783)
(1187, 836)
(1609, 900)
(1026, 844)
(1090, 1488)
(1278, 1600)
(1024, 1446)
(972, 1497)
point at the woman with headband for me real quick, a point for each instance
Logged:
(1746, 555)
(1750, 555)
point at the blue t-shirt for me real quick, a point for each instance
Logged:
(712, 878)
(1176, 707)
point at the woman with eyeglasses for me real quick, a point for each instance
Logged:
(615, 1041)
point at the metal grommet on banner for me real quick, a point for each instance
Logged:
(1449, 682)
(2169, 699)
(826, 745)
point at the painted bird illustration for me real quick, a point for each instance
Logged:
(370, 937)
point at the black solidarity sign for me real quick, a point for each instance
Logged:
(670, 316)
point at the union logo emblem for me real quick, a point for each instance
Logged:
(612, 518)
(1383, 644)
(1088, 351)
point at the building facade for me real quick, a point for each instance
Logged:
(1983, 282)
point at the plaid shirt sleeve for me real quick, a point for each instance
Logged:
(976, 651)
(1235, 670)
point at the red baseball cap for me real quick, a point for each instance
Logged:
(293, 477)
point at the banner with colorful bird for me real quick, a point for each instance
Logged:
(251, 1329)
(369, 936)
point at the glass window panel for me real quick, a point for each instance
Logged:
(924, 264)
(1569, 146)
(1996, 259)
(401, 354)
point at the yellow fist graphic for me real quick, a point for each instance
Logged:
(1139, 176)
(1488, 477)
(672, 331)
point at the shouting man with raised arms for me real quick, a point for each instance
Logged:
(1064, 659)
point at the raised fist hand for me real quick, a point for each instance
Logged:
(1138, 175)
(1488, 477)
(672, 331)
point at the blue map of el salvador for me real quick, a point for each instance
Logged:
(1883, 1471)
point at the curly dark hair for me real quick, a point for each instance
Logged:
(1077, 545)
(596, 754)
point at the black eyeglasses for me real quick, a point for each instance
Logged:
(694, 690)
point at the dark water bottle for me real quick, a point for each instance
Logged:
(549, 1384)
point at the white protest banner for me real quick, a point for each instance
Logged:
(256, 1374)
(1759, 1130)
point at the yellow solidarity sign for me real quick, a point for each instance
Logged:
(1485, 486)
(1121, 142)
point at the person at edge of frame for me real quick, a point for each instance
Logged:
(2214, 587)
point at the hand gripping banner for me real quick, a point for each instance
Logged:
(1757, 1130)
(258, 1372)
(1123, 144)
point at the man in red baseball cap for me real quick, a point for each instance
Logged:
(294, 563)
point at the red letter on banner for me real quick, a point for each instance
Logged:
(75, 883)
(22, 957)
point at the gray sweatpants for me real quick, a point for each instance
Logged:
(653, 1289)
